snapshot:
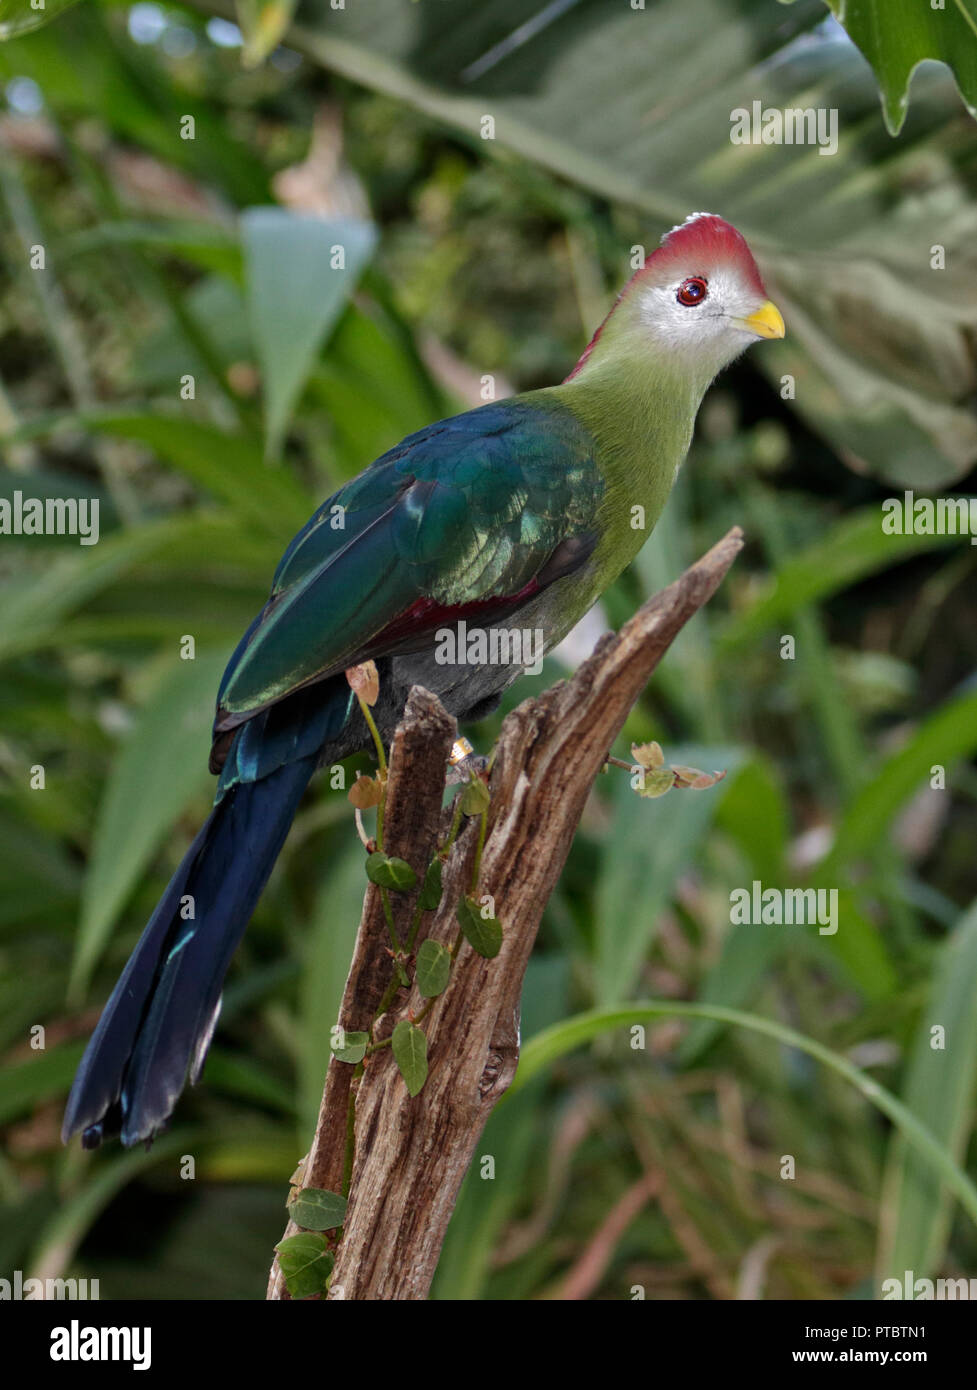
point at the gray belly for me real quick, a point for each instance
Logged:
(467, 666)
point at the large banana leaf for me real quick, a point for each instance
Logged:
(636, 105)
(897, 35)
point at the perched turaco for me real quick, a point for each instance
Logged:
(516, 515)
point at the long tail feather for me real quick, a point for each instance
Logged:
(156, 1027)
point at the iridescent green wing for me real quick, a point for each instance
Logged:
(474, 509)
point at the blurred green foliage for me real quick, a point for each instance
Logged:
(494, 257)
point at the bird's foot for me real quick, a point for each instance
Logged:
(463, 762)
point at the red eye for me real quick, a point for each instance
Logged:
(692, 292)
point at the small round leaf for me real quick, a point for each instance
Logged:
(433, 968)
(305, 1264)
(317, 1210)
(432, 889)
(483, 934)
(410, 1053)
(390, 873)
(353, 1050)
(475, 798)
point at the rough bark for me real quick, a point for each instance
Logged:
(412, 1154)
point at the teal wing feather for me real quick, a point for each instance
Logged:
(468, 510)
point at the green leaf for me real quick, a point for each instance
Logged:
(879, 346)
(20, 16)
(572, 1033)
(432, 889)
(475, 798)
(353, 1048)
(854, 548)
(208, 335)
(648, 847)
(433, 968)
(410, 1053)
(263, 23)
(131, 92)
(755, 815)
(305, 1264)
(372, 384)
(40, 878)
(325, 964)
(73, 1216)
(656, 783)
(301, 270)
(939, 1090)
(229, 466)
(483, 934)
(48, 1075)
(390, 873)
(161, 766)
(201, 243)
(946, 736)
(34, 604)
(859, 945)
(316, 1209)
(897, 35)
(238, 1075)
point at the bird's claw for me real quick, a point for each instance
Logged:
(463, 763)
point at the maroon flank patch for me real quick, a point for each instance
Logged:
(426, 613)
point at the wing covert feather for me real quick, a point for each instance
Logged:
(466, 511)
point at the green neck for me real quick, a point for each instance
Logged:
(641, 410)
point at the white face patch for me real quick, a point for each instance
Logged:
(707, 329)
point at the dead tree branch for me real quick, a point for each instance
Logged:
(412, 1154)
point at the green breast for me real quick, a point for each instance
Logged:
(641, 431)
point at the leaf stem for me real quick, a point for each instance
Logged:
(388, 914)
(453, 832)
(390, 993)
(477, 866)
(349, 1153)
(619, 762)
(381, 761)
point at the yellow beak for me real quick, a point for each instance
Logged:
(765, 322)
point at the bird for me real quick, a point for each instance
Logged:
(518, 512)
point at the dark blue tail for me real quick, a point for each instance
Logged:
(157, 1025)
